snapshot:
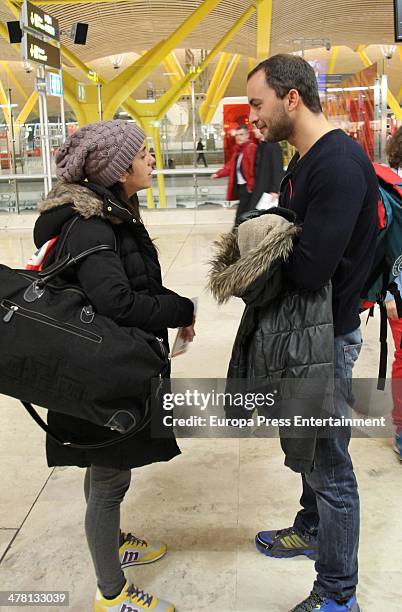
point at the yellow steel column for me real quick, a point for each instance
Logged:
(214, 84)
(220, 92)
(151, 127)
(394, 105)
(173, 74)
(162, 105)
(264, 22)
(77, 63)
(90, 106)
(159, 165)
(28, 108)
(332, 61)
(25, 112)
(4, 104)
(175, 66)
(123, 85)
(364, 57)
(133, 109)
(4, 32)
(14, 80)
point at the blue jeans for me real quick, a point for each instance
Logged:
(330, 498)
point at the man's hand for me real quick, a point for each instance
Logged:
(392, 312)
(214, 176)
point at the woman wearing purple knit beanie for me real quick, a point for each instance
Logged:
(101, 167)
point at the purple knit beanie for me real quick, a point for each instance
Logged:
(100, 152)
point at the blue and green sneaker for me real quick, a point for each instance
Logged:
(316, 603)
(286, 543)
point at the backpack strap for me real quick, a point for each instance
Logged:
(383, 267)
(389, 177)
(394, 290)
(382, 370)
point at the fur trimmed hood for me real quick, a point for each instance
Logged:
(65, 200)
(84, 201)
(233, 273)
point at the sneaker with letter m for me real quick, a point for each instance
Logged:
(135, 551)
(131, 599)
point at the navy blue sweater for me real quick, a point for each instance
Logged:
(334, 192)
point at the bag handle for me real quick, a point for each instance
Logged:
(60, 265)
(66, 262)
(143, 423)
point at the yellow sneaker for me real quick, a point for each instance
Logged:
(135, 551)
(131, 599)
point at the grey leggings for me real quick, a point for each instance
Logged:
(104, 491)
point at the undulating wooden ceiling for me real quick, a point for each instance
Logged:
(136, 25)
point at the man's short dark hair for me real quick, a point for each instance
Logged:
(242, 127)
(284, 72)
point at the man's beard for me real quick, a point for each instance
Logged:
(280, 127)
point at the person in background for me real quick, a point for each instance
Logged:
(201, 154)
(394, 152)
(268, 172)
(240, 170)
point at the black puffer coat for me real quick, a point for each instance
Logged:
(285, 337)
(126, 286)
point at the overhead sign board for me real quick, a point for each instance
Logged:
(39, 22)
(35, 50)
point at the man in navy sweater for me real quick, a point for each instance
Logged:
(333, 190)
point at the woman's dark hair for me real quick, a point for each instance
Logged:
(284, 72)
(132, 203)
(394, 150)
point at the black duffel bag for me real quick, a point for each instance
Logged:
(57, 353)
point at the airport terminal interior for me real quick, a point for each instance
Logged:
(179, 70)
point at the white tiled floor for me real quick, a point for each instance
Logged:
(208, 503)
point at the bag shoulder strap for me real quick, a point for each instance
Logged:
(39, 421)
(62, 263)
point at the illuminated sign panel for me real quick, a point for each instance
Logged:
(35, 50)
(33, 18)
(54, 84)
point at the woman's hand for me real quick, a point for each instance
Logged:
(188, 333)
(392, 311)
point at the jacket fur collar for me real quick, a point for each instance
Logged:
(232, 274)
(85, 202)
